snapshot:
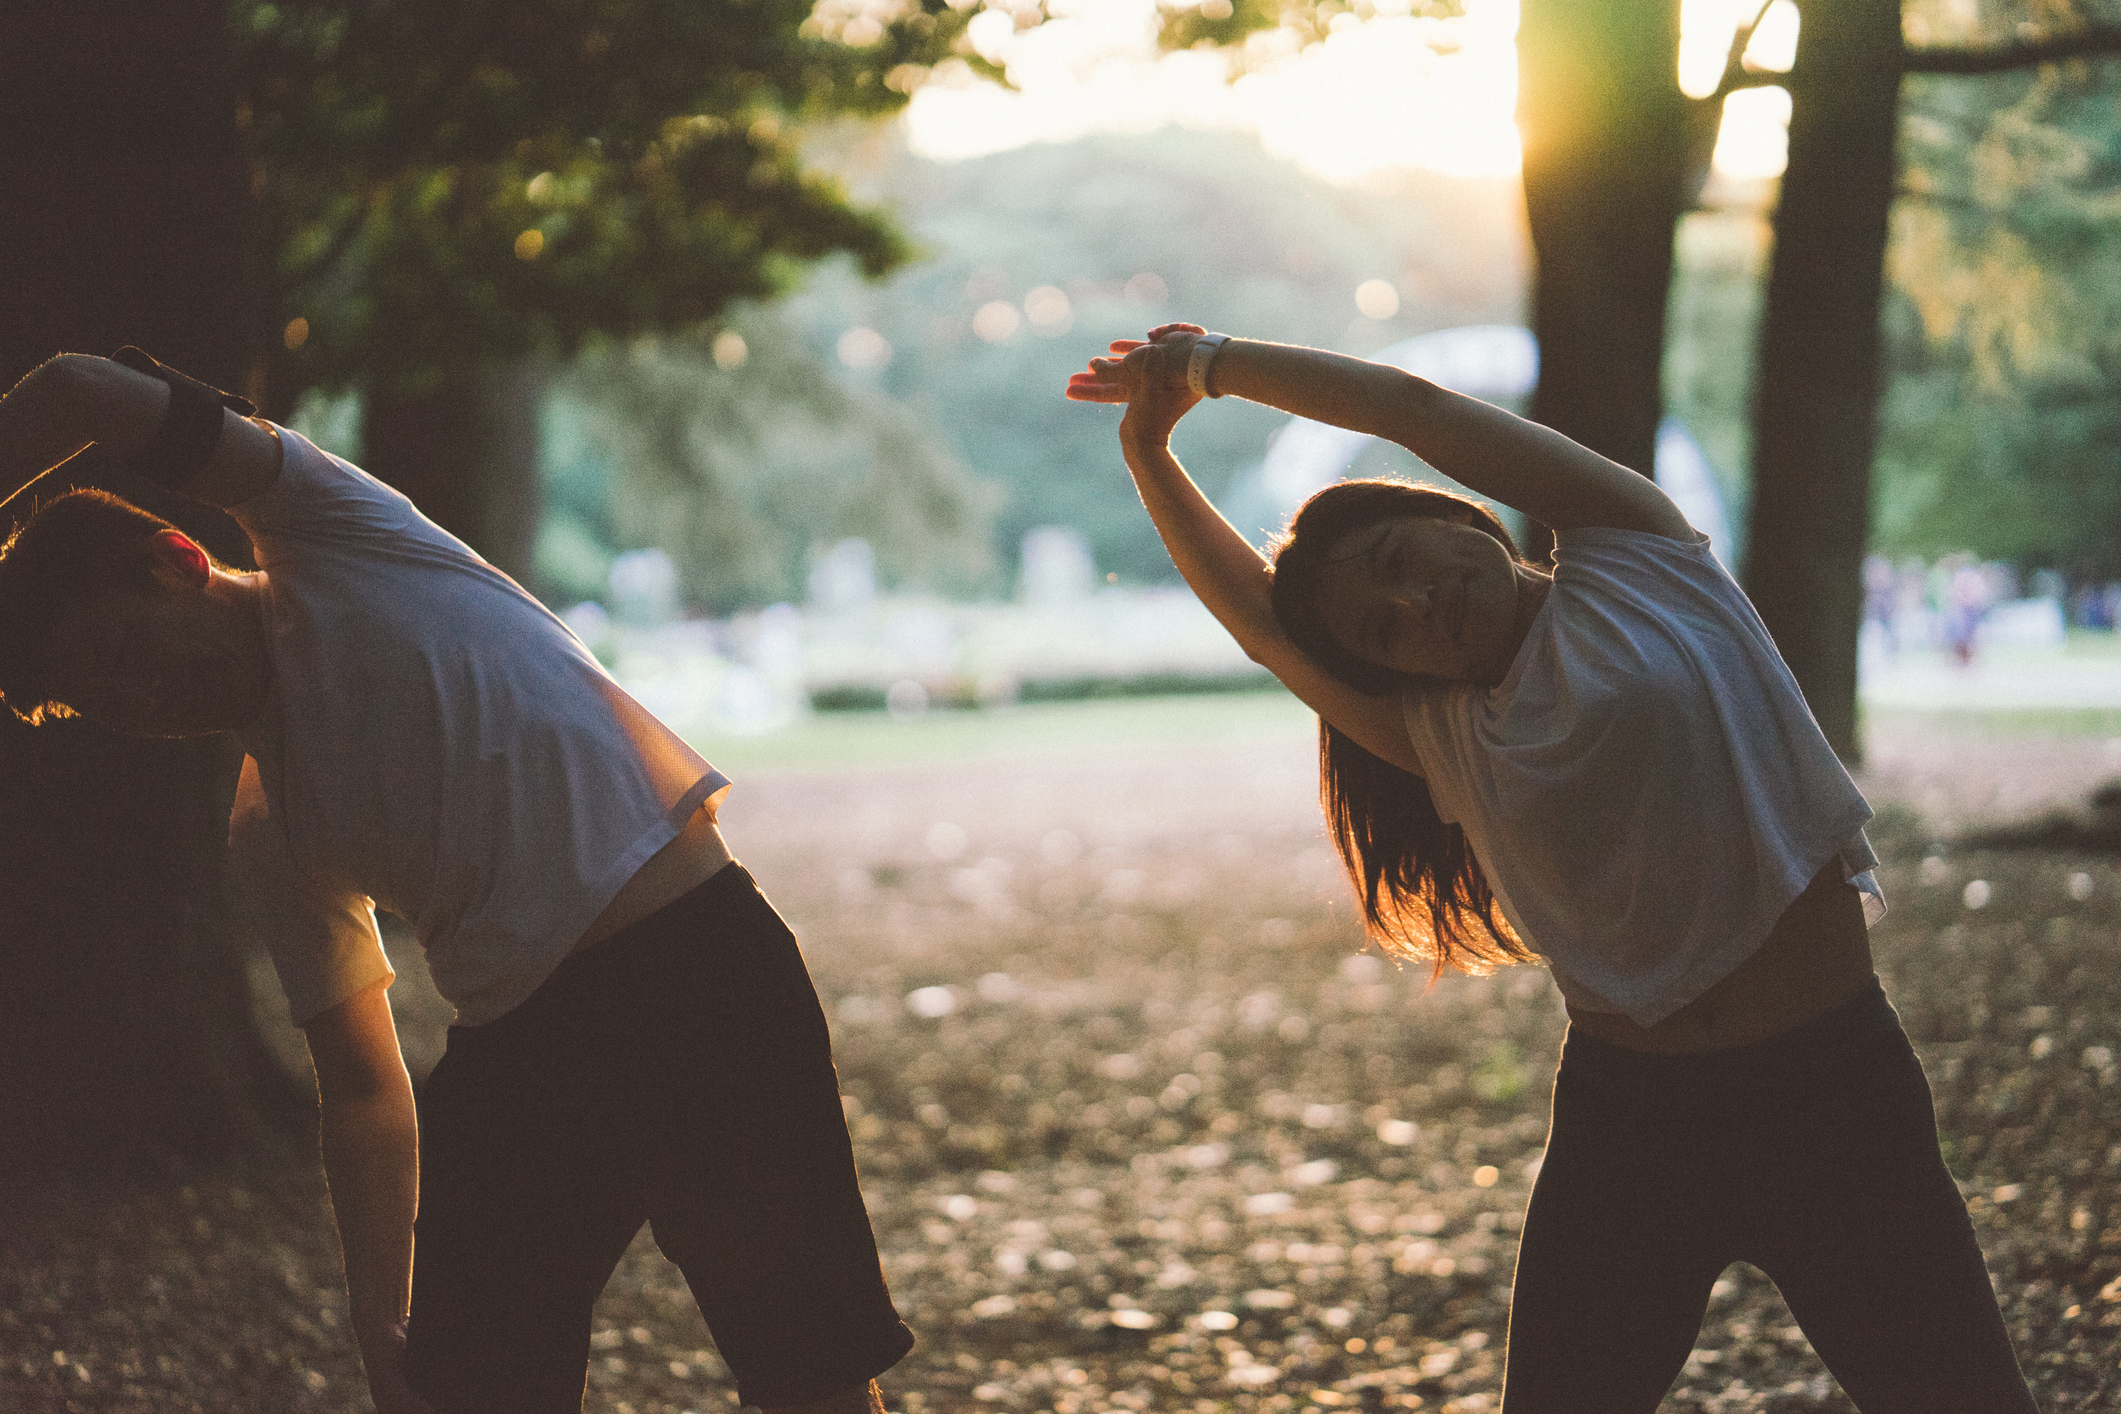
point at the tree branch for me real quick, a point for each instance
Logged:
(1750, 78)
(1735, 74)
(2088, 42)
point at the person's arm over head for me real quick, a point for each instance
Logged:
(372, 1164)
(70, 401)
(1220, 565)
(1557, 482)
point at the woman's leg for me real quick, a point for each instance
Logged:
(1861, 1226)
(1616, 1262)
(679, 1071)
(749, 1174)
(520, 1220)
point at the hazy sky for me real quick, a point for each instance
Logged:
(1389, 91)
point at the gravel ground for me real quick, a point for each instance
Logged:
(1142, 1128)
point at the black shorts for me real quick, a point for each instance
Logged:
(678, 1074)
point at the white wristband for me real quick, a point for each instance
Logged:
(1202, 362)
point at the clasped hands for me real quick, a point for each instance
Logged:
(1148, 375)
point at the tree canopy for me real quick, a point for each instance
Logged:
(2003, 426)
(439, 184)
(739, 453)
(1033, 258)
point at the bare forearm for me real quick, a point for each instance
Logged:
(1231, 578)
(1236, 585)
(1220, 565)
(372, 1161)
(1491, 451)
(68, 402)
(372, 1158)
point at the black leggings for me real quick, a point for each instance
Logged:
(1813, 1156)
(677, 1073)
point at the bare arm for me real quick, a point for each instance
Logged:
(372, 1163)
(68, 402)
(1230, 577)
(1535, 469)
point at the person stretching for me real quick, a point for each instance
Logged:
(636, 1038)
(1610, 768)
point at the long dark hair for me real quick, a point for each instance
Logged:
(1422, 889)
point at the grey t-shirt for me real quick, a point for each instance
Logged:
(436, 744)
(1646, 790)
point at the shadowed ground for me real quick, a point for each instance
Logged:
(1142, 1130)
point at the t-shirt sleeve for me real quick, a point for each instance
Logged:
(1431, 718)
(1647, 565)
(323, 943)
(318, 496)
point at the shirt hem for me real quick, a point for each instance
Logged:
(1708, 971)
(711, 786)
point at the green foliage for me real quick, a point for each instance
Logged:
(1131, 232)
(740, 472)
(442, 183)
(1288, 24)
(2002, 426)
(441, 186)
(1711, 328)
(953, 445)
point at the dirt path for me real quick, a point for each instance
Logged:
(1958, 777)
(1142, 1130)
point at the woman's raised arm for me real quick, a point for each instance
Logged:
(72, 400)
(1534, 469)
(1230, 577)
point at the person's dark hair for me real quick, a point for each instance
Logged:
(1421, 887)
(73, 550)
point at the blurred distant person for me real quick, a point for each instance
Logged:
(1967, 596)
(637, 1038)
(1608, 767)
(1881, 602)
(1913, 623)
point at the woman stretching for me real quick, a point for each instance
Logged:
(1611, 768)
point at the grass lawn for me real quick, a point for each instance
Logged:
(855, 741)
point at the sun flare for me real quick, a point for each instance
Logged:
(1393, 91)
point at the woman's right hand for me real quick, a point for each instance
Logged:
(1149, 376)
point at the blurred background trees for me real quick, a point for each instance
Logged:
(2002, 424)
(1818, 374)
(1815, 390)
(1613, 152)
(452, 198)
(740, 455)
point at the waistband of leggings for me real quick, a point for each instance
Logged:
(1865, 1015)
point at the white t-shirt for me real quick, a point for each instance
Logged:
(436, 744)
(1646, 790)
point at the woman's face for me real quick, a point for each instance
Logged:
(1420, 594)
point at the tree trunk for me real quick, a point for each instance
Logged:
(467, 454)
(1610, 148)
(1815, 410)
(126, 1025)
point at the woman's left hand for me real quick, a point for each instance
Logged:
(1149, 376)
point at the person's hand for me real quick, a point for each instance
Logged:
(1149, 376)
(383, 1354)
